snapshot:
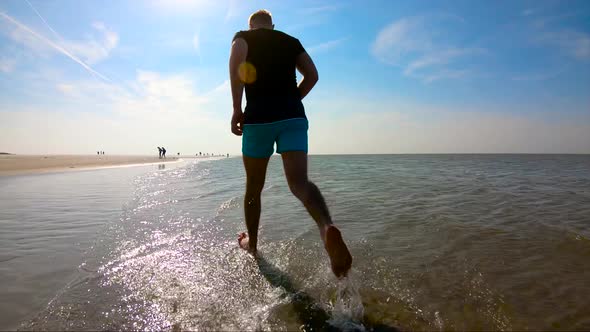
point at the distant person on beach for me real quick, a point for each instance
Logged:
(164, 152)
(159, 152)
(263, 62)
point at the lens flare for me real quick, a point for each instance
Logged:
(247, 72)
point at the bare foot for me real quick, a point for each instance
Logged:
(243, 243)
(340, 257)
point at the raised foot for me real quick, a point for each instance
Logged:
(340, 257)
(244, 243)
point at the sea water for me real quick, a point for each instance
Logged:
(440, 242)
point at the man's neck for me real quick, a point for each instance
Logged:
(260, 28)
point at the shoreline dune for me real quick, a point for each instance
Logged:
(32, 164)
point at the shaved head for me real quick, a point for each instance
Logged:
(260, 19)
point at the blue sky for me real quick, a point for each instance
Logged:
(395, 77)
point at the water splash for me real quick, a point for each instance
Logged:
(347, 306)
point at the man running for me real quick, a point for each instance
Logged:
(263, 61)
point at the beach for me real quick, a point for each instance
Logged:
(30, 164)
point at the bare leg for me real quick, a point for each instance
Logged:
(295, 164)
(255, 176)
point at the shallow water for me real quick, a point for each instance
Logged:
(440, 242)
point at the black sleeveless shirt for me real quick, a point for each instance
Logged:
(273, 94)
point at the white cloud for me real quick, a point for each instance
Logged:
(149, 94)
(27, 37)
(197, 44)
(41, 44)
(39, 131)
(552, 30)
(573, 43)
(540, 76)
(175, 89)
(159, 110)
(441, 58)
(313, 16)
(326, 46)
(222, 90)
(320, 9)
(410, 43)
(233, 10)
(96, 48)
(400, 38)
(399, 128)
(66, 89)
(169, 110)
(445, 74)
(92, 50)
(7, 65)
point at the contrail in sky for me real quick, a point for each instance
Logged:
(42, 19)
(54, 46)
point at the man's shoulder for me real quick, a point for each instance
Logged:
(245, 34)
(240, 34)
(284, 34)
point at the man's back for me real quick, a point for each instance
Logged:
(270, 80)
(263, 61)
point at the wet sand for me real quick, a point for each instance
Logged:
(31, 164)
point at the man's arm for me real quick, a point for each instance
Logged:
(310, 73)
(239, 51)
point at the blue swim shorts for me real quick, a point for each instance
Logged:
(290, 135)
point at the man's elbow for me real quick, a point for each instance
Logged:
(313, 77)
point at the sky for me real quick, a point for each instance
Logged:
(126, 76)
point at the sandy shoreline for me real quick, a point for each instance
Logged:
(32, 164)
